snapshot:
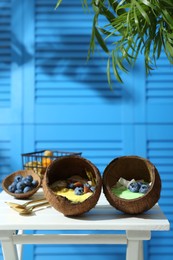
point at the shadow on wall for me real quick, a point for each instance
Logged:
(64, 59)
(20, 55)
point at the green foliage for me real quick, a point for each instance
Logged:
(132, 27)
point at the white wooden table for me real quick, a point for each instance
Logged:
(103, 218)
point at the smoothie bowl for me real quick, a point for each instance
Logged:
(131, 184)
(72, 185)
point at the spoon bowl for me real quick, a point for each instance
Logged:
(29, 210)
(23, 206)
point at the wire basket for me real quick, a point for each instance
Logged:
(39, 161)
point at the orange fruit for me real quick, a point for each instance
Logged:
(46, 162)
(48, 153)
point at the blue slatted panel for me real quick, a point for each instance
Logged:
(98, 147)
(5, 52)
(10, 148)
(79, 252)
(64, 80)
(5, 85)
(159, 104)
(5, 88)
(159, 93)
(62, 72)
(5, 163)
(160, 152)
(159, 84)
(5, 60)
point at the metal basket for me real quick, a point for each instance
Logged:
(38, 162)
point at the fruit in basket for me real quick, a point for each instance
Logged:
(33, 165)
(48, 153)
(46, 162)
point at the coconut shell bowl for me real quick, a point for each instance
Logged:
(73, 174)
(129, 168)
(27, 180)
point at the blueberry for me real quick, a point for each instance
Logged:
(71, 186)
(140, 183)
(134, 187)
(29, 177)
(18, 178)
(143, 188)
(78, 191)
(11, 188)
(18, 191)
(14, 184)
(34, 183)
(20, 185)
(92, 188)
(26, 189)
(27, 182)
(87, 185)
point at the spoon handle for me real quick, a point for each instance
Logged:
(30, 209)
(16, 205)
(34, 201)
(39, 205)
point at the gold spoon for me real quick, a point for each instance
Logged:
(23, 206)
(29, 210)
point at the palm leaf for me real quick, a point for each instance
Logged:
(148, 3)
(58, 3)
(167, 17)
(108, 72)
(114, 65)
(133, 27)
(100, 40)
(107, 13)
(114, 4)
(142, 11)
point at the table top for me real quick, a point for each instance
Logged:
(101, 217)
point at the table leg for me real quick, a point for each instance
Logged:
(19, 247)
(134, 250)
(8, 247)
(135, 244)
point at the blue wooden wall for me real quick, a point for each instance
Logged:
(52, 98)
